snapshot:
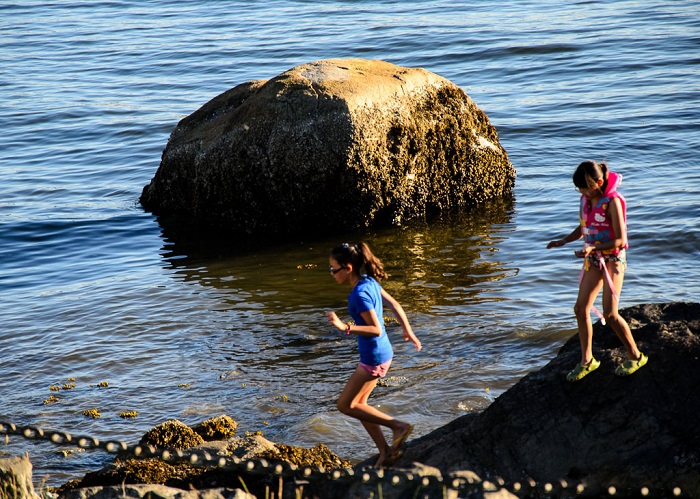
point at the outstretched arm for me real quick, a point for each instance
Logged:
(396, 307)
(574, 236)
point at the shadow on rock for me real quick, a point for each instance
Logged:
(627, 432)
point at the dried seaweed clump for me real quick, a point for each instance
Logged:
(217, 428)
(150, 470)
(145, 471)
(172, 434)
(319, 455)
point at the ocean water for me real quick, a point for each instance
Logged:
(93, 291)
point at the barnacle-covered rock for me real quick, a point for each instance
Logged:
(217, 428)
(363, 142)
(172, 434)
(319, 455)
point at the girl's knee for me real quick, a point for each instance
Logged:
(614, 317)
(343, 406)
(616, 321)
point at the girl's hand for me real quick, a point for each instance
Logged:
(335, 320)
(584, 252)
(556, 244)
(408, 335)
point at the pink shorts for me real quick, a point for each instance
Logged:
(379, 370)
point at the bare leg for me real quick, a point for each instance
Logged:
(375, 431)
(353, 402)
(616, 321)
(588, 290)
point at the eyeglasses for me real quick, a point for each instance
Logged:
(335, 271)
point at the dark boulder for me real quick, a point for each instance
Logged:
(328, 146)
(632, 432)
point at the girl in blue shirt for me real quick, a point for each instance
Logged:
(366, 306)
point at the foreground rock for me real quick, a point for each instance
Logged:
(150, 491)
(603, 430)
(214, 438)
(328, 146)
(16, 478)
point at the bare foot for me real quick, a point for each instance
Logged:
(383, 455)
(393, 457)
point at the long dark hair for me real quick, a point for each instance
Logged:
(360, 256)
(589, 172)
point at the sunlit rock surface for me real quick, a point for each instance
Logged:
(16, 478)
(330, 145)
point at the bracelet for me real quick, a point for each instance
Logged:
(347, 330)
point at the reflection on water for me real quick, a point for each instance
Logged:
(432, 266)
(269, 339)
(220, 329)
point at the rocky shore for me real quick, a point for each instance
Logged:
(605, 435)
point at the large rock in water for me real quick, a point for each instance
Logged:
(604, 430)
(328, 146)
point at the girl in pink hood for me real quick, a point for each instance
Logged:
(603, 226)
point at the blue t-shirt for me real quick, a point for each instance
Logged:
(366, 296)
